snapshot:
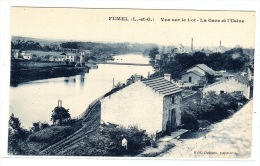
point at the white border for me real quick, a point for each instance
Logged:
(248, 5)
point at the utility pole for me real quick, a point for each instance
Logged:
(220, 46)
(192, 45)
(113, 83)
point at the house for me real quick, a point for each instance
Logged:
(230, 83)
(199, 74)
(71, 57)
(15, 53)
(133, 79)
(26, 56)
(152, 104)
(57, 58)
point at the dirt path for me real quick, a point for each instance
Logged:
(230, 138)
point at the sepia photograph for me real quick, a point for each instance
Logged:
(131, 83)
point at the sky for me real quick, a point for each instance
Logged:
(94, 25)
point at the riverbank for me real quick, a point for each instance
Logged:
(22, 72)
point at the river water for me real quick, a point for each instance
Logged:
(34, 101)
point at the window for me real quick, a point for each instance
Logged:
(173, 99)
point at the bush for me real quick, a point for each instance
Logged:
(108, 142)
(203, 123)
(189, 121)
(213, 108)
(51, 134)
(137, 139)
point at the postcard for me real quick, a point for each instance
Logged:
(131, 83)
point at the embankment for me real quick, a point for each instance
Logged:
(32, 74)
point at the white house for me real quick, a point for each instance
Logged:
(199, 74)
(229, 84)
(26, 56)
(152, 104)
(71, 57)
(57, 58)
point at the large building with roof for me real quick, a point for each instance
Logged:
(151, 104)
(229, 83)
(199, 74)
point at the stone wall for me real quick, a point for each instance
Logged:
(168, 106)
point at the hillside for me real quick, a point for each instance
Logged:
(230, 138)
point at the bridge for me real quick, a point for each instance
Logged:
(117, 63)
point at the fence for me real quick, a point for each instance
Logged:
(91, 105)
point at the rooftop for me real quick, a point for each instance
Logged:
(206, 69)
(195, 72)
(241, 79)
(162, 86)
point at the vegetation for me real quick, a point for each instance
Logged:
(40, 136)
(51, 134)
(20, 76)
(37, 126)
(16, 135)
(108, 142)
(96, 49)
(60, 114)
(213, 108)
(233, 60)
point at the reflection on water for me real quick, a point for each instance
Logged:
(34, 101)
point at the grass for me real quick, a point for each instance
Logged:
(51, 134)
(161, 148)
(44, 138)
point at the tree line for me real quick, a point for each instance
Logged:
(233, 60)
(95, 47)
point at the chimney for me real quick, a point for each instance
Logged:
(167, 77)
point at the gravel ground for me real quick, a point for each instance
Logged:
(230, 138)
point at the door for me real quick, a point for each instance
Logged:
(190, 79)
(173, 120)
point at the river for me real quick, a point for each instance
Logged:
(34, 101)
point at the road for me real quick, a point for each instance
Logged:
(230, 138)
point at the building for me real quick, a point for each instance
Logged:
(15, 53)
(134, 78)
(152, 104)
(71, 57)
(199, 74)
(57, 58)
(91, 66)
(26, 55)
(230, 83)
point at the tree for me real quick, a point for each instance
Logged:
(59, 114)
(16, 134)
(153, 52)
(15, 128)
